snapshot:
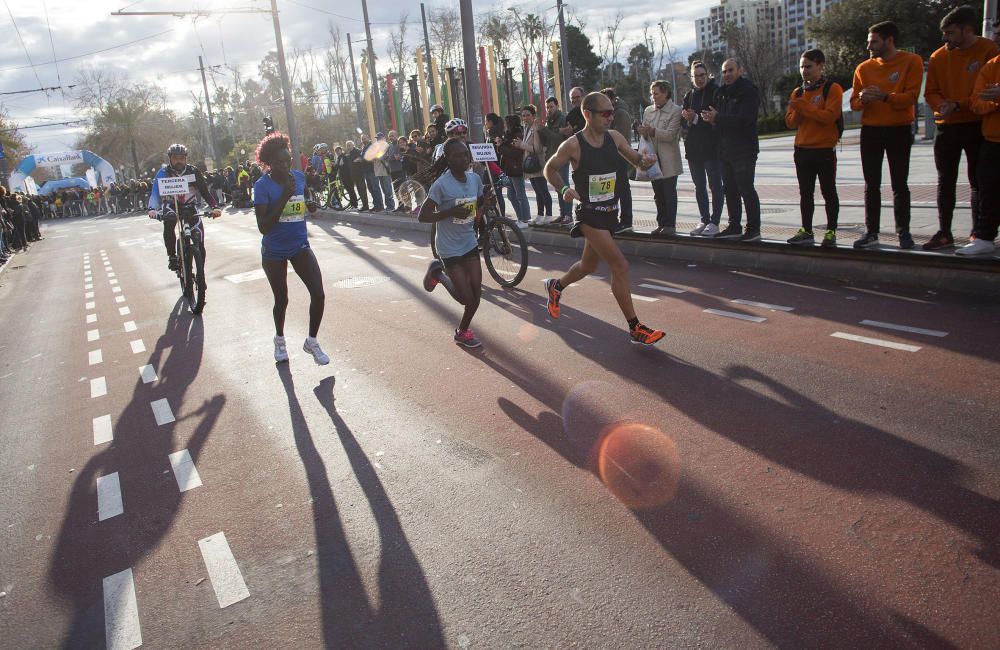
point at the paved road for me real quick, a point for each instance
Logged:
(165, 484)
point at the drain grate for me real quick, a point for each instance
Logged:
(359, 281)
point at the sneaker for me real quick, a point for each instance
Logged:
(280, 352)
(311, 346)
(732, 231)
(700, 228)
(868, 240)
(432, 278)
(750, 235)
(803, 238)
(552, 297)
(941, 239)
(977, 247)
(467, 338)
(829, 239)
(620, 229)
(663, 231)
(711, 230)
(172, 263)
(906, 241)
(642, 335)
(523, 225)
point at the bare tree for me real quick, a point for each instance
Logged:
(615, 37)
(762, 61)
(398, 53)
(95, 87)
(445, 27)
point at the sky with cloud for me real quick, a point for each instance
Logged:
(165, 49)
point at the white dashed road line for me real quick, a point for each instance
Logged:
(109, 497)
(660, 287)
(102, 430)
(91, 305)
(121, 612)
(420, 257)
(95, 357)
(124, 311)
(137, 346)
(644, 298)
(765, 305)
(904, 328)
(91, 318)
(119, 299)
(162, 412)
(879, 342)
(148, 374)
(227, 581)
(130, 326)
(733, 314)
(98, 387)
(184, 470)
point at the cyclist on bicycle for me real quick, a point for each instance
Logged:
(158, 208)
(455, 129)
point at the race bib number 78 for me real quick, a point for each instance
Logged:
(601, 187)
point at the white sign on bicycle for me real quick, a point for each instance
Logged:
(483, 152)
(174, 185)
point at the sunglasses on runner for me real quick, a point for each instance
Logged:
(608, 113)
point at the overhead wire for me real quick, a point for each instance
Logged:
(80, 56)
(17, 29)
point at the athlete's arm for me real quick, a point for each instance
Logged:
(568, 152)
(267, 219)
(628, 153)
(154, 197)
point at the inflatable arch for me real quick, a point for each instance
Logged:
(28, 165)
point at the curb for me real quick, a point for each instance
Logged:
(911, 269)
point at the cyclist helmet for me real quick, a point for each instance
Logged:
(455, 124)
(177, 149)
(437, 107)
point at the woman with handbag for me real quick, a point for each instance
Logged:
(534, 159)
(661, 125)
(511, 160)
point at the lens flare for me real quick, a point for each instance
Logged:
(376, 150)
(639, 464)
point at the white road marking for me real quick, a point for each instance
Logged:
(112, 282)
(381, 243)
(95, 357)
(121, 612)
(130, 326)
(889, 295)
(227, 581)
(904, 328)
(148, 374)
(791, 284)
(102, 430)
(109, 497)
(184, 470)
(124, 311)
(596, 277)
(111, 275)
(358, 246)
(89, 294)
(138, 346)
(98, 387)
(660, 287)
(754, 303)
(420, 257)
(93, 335)
(116, 289)
(91, 318)
(733, 314)
(534, 268)
(246, 277)
(408, 248)
(162, 412)
(88, 287)
(644, 298)
(879, 342)
(387, 252)
(119, 298)
(90, 305)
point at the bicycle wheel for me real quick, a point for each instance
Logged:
(322, 195)
(200, 284)
(339, 197)
(187, 279)
(506, 251)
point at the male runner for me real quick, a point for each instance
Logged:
(594, 153)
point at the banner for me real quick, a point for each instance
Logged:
(56, 159)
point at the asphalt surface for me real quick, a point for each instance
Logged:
(412, 493)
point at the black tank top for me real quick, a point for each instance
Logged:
(594, 178)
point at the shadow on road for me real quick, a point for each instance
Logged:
(406, 616)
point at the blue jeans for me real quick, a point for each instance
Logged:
(700, 169)
(543, 200)
(738, 177)
(518, 198)
(371, 180)
(385, 182)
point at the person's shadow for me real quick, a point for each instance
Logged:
(88, 550)
(406, 616)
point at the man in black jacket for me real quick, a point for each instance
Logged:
(701, 148)
(735, 120)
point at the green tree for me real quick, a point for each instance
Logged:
(584, 62)
(640, 60)
(713, 59)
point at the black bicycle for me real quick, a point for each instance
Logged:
(191, 259)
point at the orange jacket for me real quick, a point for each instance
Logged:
(988, 76)
(815, 119)
(900, 78)
(951, 75)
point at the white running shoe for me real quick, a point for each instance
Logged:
(523, 225)
(698, 229)
(280, 352)
(710, 230)
(311, 346)
(977, 247)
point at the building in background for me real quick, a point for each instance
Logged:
(797, 14)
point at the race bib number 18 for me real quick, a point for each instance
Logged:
(601, 187)
(295, 209)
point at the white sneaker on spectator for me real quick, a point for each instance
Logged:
(523, 225)
(311, 346)
(280, 352)
(977, 247)
(698, 229)
(710, 230)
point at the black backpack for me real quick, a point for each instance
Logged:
(826, 93)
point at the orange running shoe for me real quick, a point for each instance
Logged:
(552, 294)
(645, 336)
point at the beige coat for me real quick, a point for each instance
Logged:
(533, 144)
(667, 122)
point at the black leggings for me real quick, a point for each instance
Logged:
(307, 268)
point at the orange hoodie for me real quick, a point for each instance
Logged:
(988, 76)
(951, 75)
(900, 78)
(816, 121)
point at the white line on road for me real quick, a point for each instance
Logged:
(130, 326)
(109, 497)
(358, 246)
(419, 257)
(124, 311)
(246, 277)
(904, 328)
(879, 342)
(534, 268)
(111, 275)
(90, 305)
(765, 305)
(223, 570)
(785, 282)
(408, 248)
(162, 412)
(148, 374)
(890, 295)
(93, 335)
(660, 287)
(121, 612)
(138, 346)
(119, 298)
(98, 387)
(184, 470)
(102, 430)
(91, 318)
(386, 251)
(95, 357)
(733, 314)
(644, 298)
(88, 286)
(116, 289)
(112, 282)
(89, 294)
